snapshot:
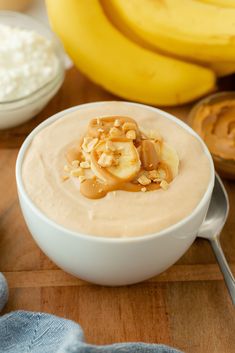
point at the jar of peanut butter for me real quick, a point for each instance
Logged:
(213, 118)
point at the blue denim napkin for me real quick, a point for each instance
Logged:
(24, 331)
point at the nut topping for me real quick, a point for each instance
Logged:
(89, 144)
(85, 165)
(76, 172)
(143, 180)
(106, 160)
(117, 123)
(153, 174)
(115, 155)
(128, 126)
(164, 185)
(131, 134)
(115, 132)
(75, 163)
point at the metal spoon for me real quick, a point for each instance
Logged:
(211, 228)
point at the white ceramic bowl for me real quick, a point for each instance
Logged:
(18, 111)
(111, 261)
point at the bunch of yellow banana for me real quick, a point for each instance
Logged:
(162, 52)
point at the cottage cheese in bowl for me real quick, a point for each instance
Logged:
(27, 62)
(31, 68)
(116, 170)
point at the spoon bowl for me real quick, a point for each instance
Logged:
(210, 229)
(217, 213)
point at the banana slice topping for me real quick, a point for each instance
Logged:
(115, 155)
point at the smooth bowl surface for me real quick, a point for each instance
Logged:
(111, 261)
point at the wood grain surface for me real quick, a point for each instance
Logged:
(187, 307)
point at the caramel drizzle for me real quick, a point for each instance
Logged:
(95, 188)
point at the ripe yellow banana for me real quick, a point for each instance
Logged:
(170, 157)
(223, 68)
(220, 3)
(185, 28)
(121, 66)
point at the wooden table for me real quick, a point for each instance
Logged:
(187, 307)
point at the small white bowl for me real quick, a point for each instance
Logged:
(16, 112)
(111, 261)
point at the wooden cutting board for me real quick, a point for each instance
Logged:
(187, 307)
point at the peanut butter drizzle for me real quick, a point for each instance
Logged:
(95, 188)
(105, 124)
(215, 123)
(149, 157)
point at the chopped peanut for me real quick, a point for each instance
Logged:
(89, 144)
(85, 165)
(117, 123)
(65, 177)
(106, 160)
(153, 174)
(128, 126)
(157, 175)
(143, 189)
(157, 180)
(76, 172)
(114, 132)
(75, 163)
(87, 139)
(131, 134)
(164, 185)
(144, 180)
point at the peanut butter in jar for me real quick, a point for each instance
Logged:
(214, 120)
(14, 5)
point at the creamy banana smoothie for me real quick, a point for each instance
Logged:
(115, 170)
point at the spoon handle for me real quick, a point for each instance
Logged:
(228, 276)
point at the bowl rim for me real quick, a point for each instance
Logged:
(42, 90)
(95, 238)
